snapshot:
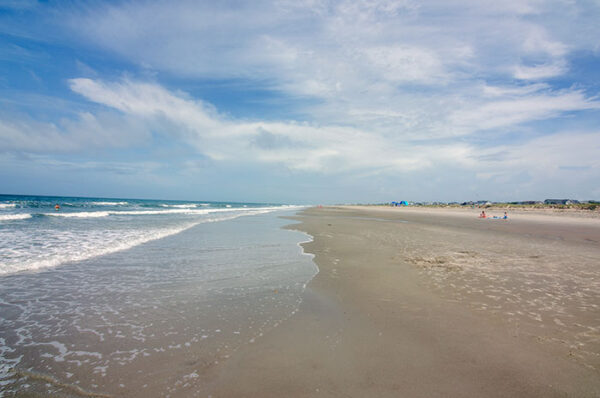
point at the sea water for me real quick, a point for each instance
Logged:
(123, 297)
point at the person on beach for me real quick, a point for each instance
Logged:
(505, 216)
(482, 215)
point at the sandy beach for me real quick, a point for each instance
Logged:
(434, 303)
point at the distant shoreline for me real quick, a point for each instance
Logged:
(492, 210)
(588, 206)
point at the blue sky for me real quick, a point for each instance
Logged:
(301, 101)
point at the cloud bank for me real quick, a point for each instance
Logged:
(333, 149)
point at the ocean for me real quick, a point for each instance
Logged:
(123, 297)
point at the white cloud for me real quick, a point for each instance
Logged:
(538, 72)
(32, 136)
(137, 110)
(510, 112)
(287, 43)
(562, 162)
(358, 59)
(144, 99)
(537, 41)
(405, 64)
(498, 91)
(332, 149)
(86, 131)
(299, 146)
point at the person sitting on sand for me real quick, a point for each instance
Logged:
(482, 215)
(505, 216)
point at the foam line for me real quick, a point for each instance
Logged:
(9, 217)
(84, 253)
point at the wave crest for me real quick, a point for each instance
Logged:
(8, 217)
(185, 206)
(80, 214)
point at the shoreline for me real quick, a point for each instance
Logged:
(522, 211)
(374, 323)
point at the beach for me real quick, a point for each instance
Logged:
(341, 301)
(434, 303)
(299, 199)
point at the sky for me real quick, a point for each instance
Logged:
(301, 101)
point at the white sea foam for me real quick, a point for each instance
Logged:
(7, 205)
(93, 214)
(185, 211)
(67, 246)
(74, 249)
(171, 211)
(109, 203)
(79, 214)
(9, 217)
(184, 206)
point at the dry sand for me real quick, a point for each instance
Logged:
(433, 303)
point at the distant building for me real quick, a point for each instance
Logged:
(527, 202)
(560, 201)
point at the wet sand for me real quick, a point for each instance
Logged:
(434, 303)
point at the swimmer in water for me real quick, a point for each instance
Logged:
(57, 207)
